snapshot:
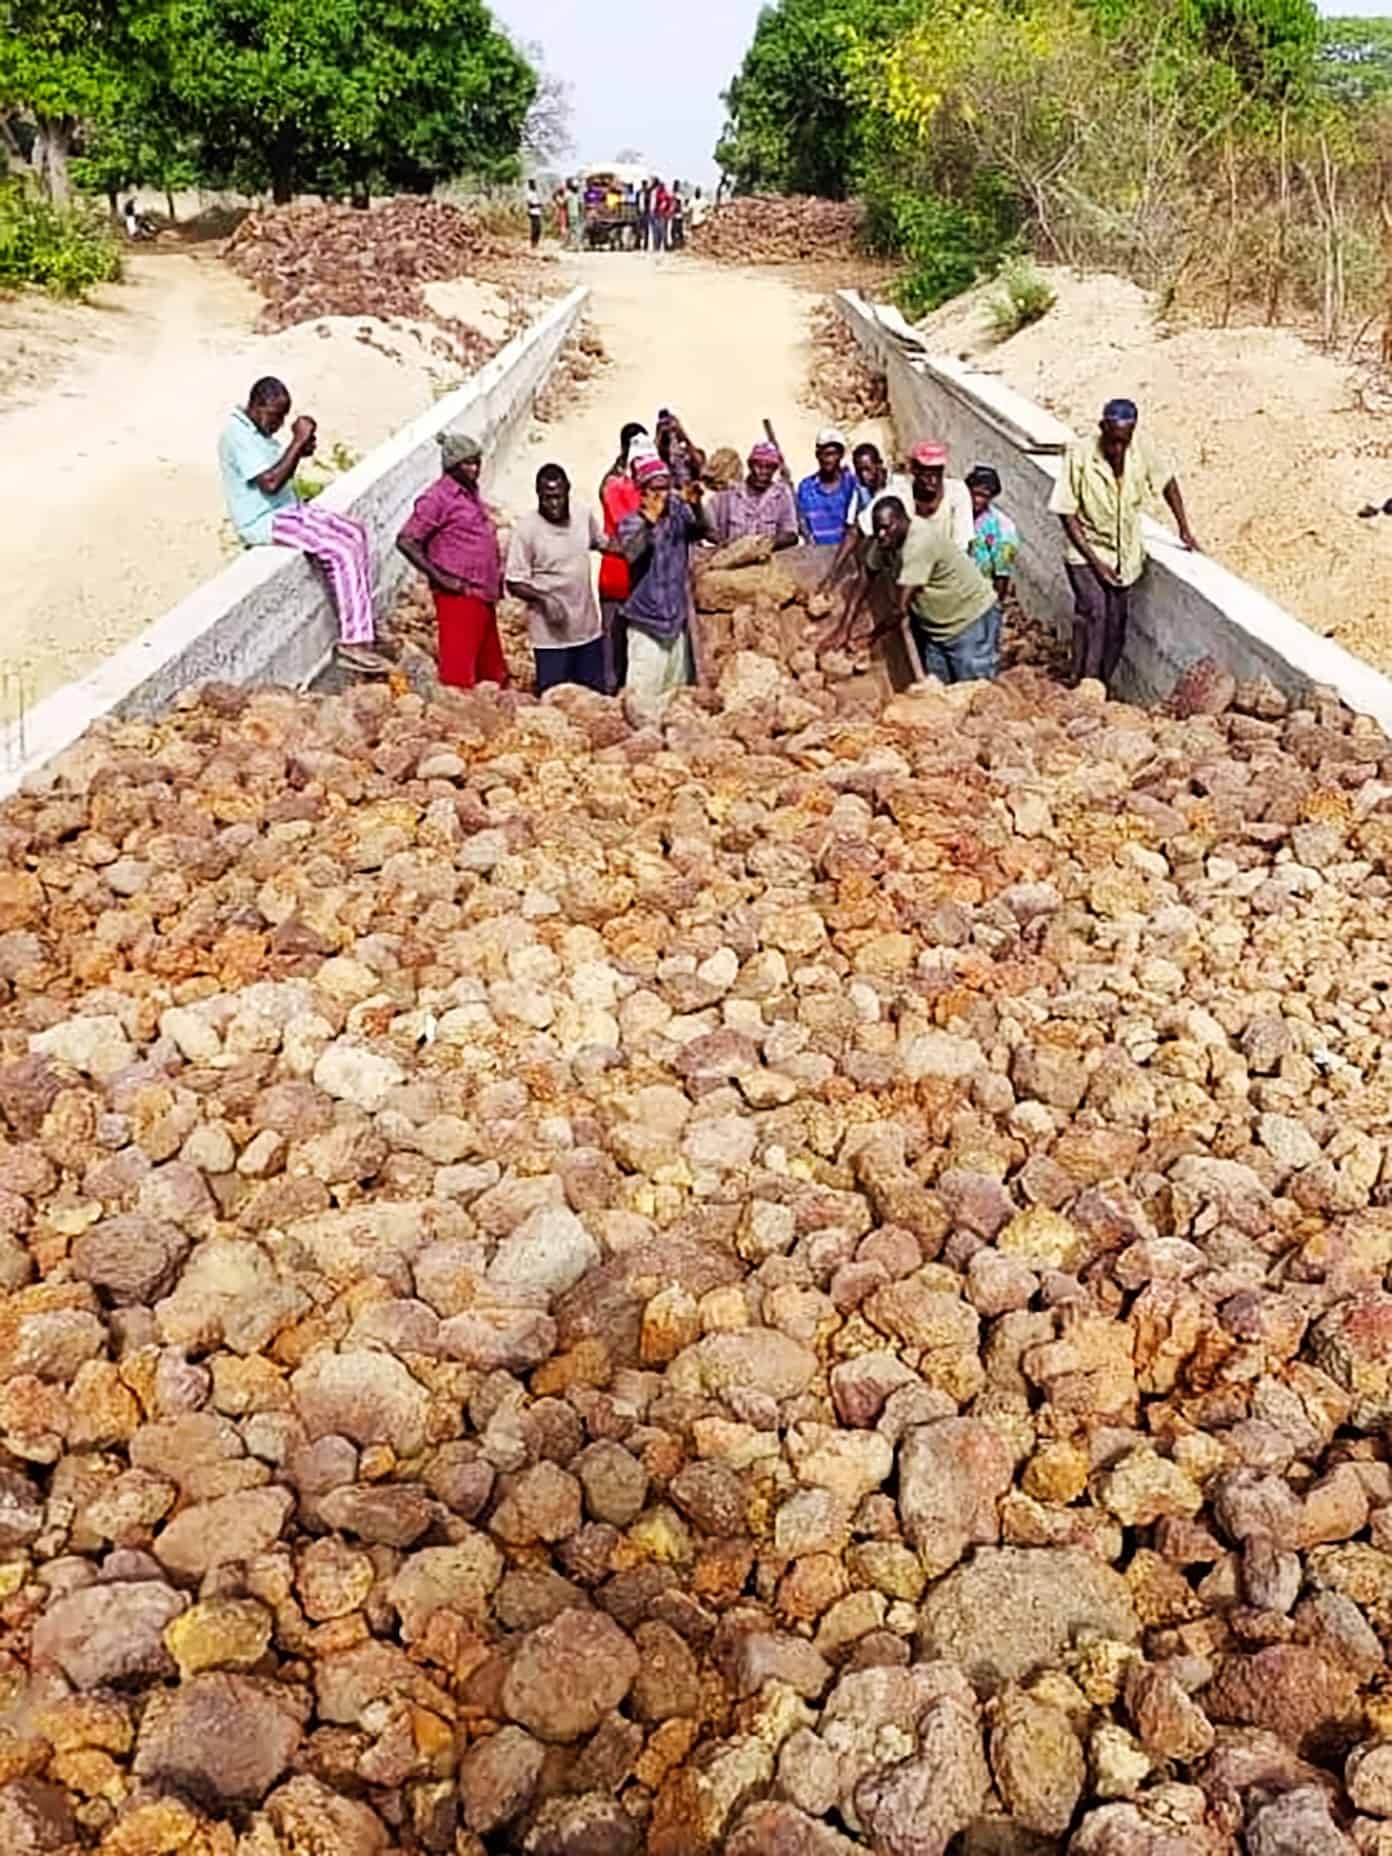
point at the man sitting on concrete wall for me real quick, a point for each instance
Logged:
(1099, 497)
(258, 475)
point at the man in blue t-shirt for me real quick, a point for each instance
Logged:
(826, 499)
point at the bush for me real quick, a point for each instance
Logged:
(62, 250)
(1025, 296)
(946, 245)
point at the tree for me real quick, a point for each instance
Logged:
(336, 95)
(792, 127)
(60, 62)
(548, 132)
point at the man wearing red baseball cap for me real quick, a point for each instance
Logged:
(942, 500)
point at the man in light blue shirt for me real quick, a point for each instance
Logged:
(258, 474)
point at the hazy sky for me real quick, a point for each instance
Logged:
(650, 77)
(645, 77)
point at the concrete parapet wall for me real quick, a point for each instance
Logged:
(267, 617)
(1187, 606)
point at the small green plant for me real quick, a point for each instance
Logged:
(342, 458)
(307, 487)
(63, 250)
(1025, 295)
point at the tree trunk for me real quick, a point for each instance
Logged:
(282, 176)
(169, 202)
(113, 204)
(51, 152)
(361, 195)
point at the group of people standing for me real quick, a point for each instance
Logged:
(921, 553)
(659, 215)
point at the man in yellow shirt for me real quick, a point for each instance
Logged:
(1099, 497)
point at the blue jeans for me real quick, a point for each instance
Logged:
(570, 663)
(971, 656)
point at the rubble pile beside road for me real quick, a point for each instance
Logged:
(778, 229)
(758, 1276)
(312, 260)
(840, 382)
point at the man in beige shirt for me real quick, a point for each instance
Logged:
(1099, 496)
(945, 608)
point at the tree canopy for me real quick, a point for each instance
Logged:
(286, 95)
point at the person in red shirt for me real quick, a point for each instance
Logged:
(619, 497)
(663, 206)
(451, 538)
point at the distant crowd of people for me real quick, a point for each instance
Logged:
(650, 215)
(913, 551)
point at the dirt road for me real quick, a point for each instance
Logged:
(724, 348)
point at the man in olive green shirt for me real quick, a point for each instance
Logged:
(945, 607)
(1099, 497)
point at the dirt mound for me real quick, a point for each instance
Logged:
(311, 260)
(779, 230)
(841, 383)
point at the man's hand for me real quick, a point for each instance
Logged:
(653, 506)
(1107, 575)
(304, 429)
(693, 491)
(446, 582)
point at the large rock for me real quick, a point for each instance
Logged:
(951, 1478)
(755, 1360)
(497, 1777)
(369, 1398)
(545, 1255)
(1016, 1609)
(235, 1527)
(307, 1816)
(106, 1634)
(222, 1740)
(567, 1675)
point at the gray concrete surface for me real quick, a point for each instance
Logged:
(267, 617)
(1188, 606)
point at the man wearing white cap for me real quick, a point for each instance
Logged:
(826, 499)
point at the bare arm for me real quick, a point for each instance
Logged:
(1174, 496)
(414, 552)
(304, 436)
(1073, 528)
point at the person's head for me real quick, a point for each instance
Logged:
(928, 465)
(651, 474)
(764, 460)
(831, 453)
(461, 454)
(985, 487)
(891, 523)
(268, 404)
(1118, 428)
(553, 494)
(869, 467)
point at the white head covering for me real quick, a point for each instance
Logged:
(640, 446)
(829, 435)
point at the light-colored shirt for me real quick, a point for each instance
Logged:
(244, 452)
(954, 515)
(949, 593)
(1109, 507)
(555, 559)
(734, 513)
(902, 487)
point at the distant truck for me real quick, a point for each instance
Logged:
(611, 207)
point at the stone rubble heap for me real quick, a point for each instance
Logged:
(754, 1277)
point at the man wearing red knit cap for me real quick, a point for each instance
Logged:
(761, 505)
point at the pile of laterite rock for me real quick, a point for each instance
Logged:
(778, 229)
(312, 260)
(760, 1276)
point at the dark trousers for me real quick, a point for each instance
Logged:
(642, 231)
(659, 233)
(1102, 614)
(570, 663)
(534, 220)
(615, 643)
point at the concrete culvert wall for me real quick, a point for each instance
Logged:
(267, 617)
(1188, 606)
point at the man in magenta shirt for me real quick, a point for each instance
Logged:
(452, 539)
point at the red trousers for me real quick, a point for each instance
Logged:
(469, 648)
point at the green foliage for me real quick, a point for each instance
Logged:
(792, 127)
(65, 251)
(1025, 295)
(1354, 61)
(946, 245)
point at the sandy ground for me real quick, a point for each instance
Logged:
(108, 433)
(724, 348)
(1278, 445)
